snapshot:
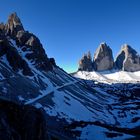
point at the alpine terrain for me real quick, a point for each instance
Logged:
(40, 101)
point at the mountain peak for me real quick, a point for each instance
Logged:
(126, 46)
(128, 59)
(86, 63)
(13, 18)
(128, 49)
(103, 48)
(14, 25)
(21, 47)
(103, 44)
(103, 57)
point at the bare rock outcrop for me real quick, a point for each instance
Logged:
(103, 58)
(13, 38)
(86, 64)
(13, 25)
(13, 57)
(128, 59)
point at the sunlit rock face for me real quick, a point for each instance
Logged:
(13, 25)
(103, 58)
(128, 59)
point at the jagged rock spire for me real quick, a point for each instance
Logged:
(28, 43)
(103, 58)
(85, 63)
(128, 59)
(13, 25)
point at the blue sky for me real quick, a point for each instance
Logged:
(69, 28)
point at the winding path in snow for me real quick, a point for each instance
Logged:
(43, 95)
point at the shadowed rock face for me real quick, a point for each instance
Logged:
(86, 64)
(128, 59)
(19, 122)
(103, 58)
(13, 57)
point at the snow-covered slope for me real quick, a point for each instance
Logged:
(71, 106)
(65, 99)
(112, 76)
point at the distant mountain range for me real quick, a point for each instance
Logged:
(127, 60)
(40, 101)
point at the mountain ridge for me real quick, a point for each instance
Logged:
(127, 59)
(25, 41)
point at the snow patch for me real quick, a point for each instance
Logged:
(21, 98)
(69, 109)
(110, 76)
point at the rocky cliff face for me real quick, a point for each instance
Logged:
(13, 34)
(86, 64)
(13, 26)
(103, 58)
(128, 59)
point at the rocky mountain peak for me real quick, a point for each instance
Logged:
(128, 59)
(103, 44)
(21, 47)
(13, 25)
(103, 49)
(103, 58)
(85, 63)
(14, 19)
(128, 49)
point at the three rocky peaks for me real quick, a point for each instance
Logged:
(15, 42)
(127, 60)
